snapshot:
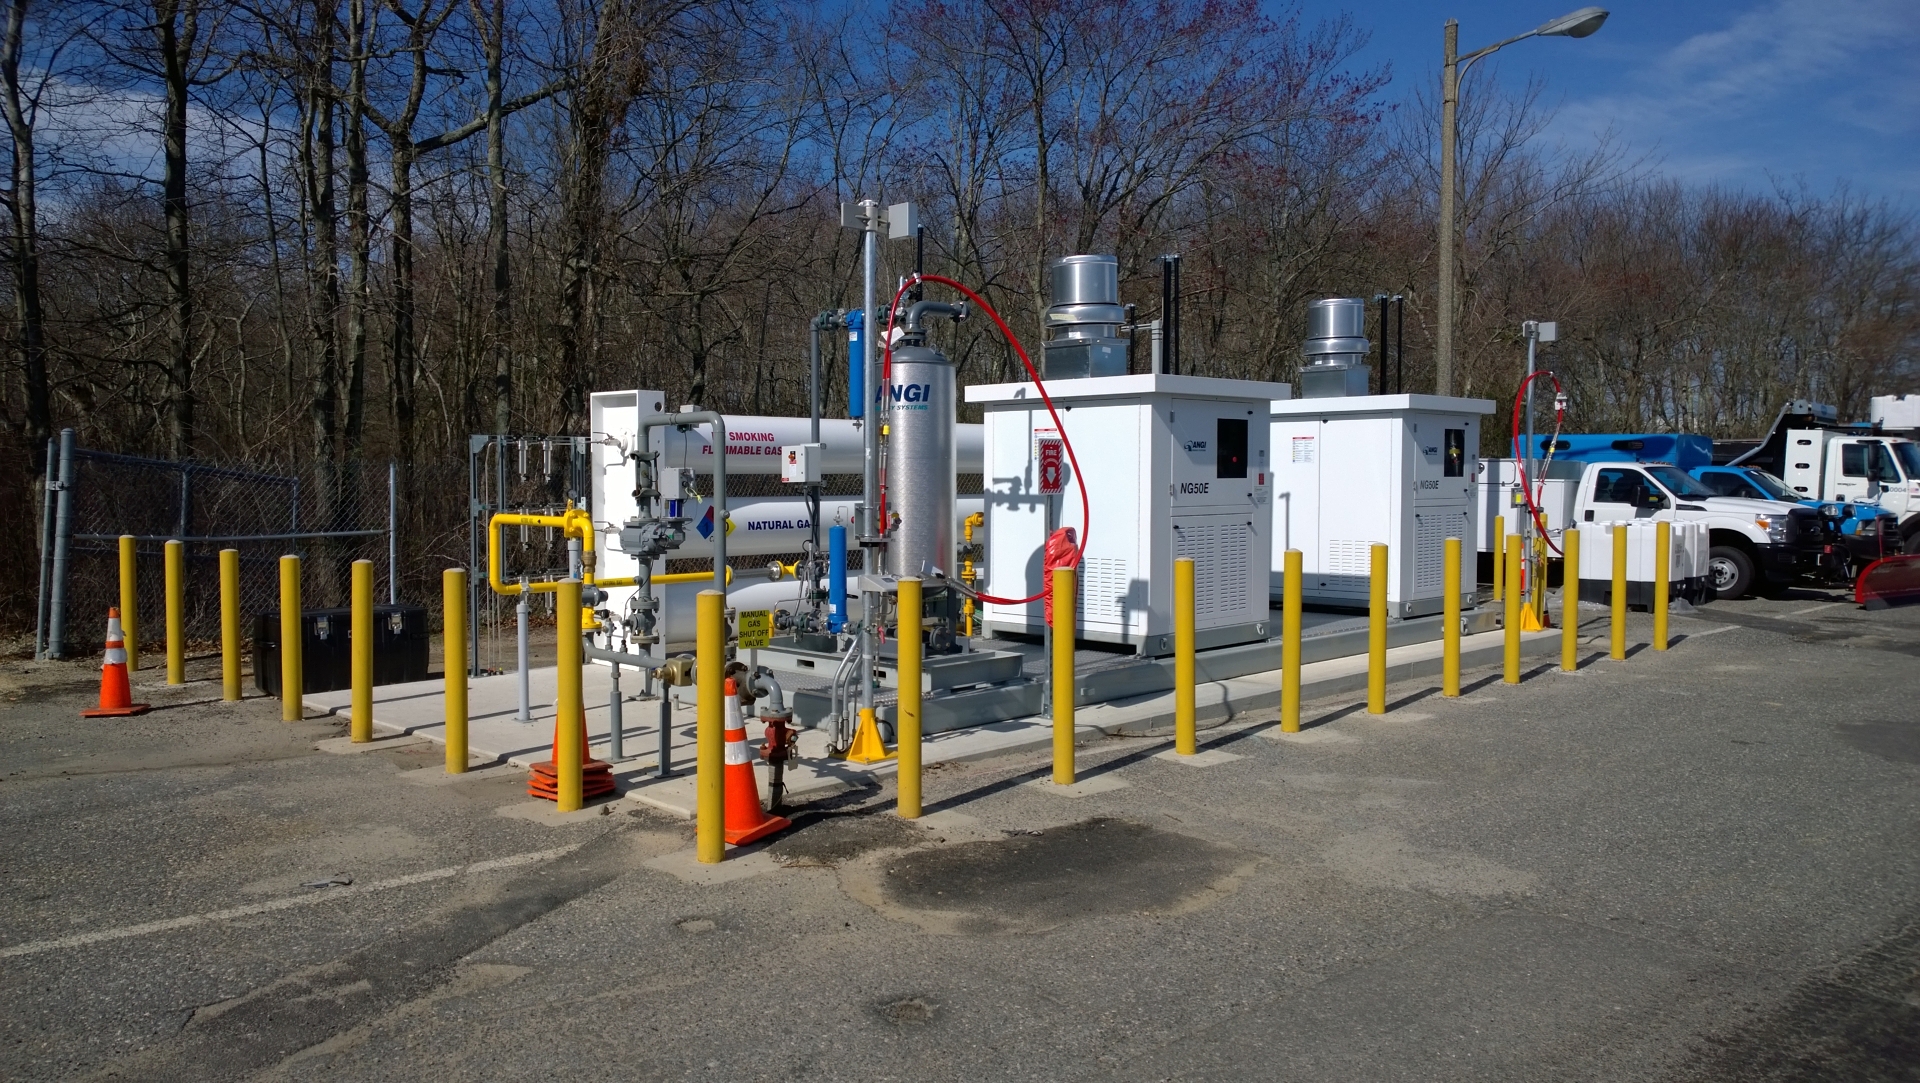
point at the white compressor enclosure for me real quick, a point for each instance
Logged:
(1174, 466)
(1350, 472)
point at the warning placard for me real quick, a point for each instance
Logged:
(1052, 455)
(756, 628)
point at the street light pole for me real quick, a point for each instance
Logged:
(1574, 24)
(1449, 104)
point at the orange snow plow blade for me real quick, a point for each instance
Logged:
(1889, 581)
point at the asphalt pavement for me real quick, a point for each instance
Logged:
(1696, 864)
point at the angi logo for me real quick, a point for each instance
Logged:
(912, 393)
(1195, 445)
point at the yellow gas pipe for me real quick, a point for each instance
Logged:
(966, 568)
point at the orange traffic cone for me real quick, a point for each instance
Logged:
(746, 820)
(116, 694)
(596, 776)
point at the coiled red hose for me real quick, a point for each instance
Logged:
(1520, 461)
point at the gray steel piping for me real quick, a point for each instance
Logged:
(693, 417)
(874, 408)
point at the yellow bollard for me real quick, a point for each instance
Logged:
(1377, 632)
(1619, 592)
(1513, 602)
(230, 624)
(1499, 556)
(453, 587)
(907, 719)
(569, 708)
(1570, 599)
(710, 737)
(360, 643)
(1063, 679)
(176, 574)
(1290, 645)
(1662, 580)
(293, 704)
(1185, 742)
(1450, 623)
(130, 601)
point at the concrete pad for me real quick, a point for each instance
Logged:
(1319, 735)
(957, 825)
(737, 865)
(1087, 787)
(1203, 758)
(345, 746)
(477, 771)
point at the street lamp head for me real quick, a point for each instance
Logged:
(1574, 24)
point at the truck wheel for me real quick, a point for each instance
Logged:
(1730, 570)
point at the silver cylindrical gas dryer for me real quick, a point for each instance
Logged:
(920, 462)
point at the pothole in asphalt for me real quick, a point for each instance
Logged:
(908, 1011)
(1030, 883)
(835, 840)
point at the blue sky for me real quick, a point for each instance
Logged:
(1711, 91)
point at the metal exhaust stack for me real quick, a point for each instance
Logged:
(1085, 319)
(1336, 349)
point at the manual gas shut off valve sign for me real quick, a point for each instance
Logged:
(1052, 455)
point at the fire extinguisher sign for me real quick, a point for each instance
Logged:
(1052, 455)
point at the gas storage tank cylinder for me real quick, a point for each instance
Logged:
(920, 462)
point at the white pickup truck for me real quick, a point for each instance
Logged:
(1825, 461)
(1753, 543)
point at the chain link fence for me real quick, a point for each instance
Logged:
(328, 514)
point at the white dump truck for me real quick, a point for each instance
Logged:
(1823, 460)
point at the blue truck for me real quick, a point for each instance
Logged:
(1867, 531)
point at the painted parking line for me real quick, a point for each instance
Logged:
(511, 861)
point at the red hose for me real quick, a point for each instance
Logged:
(886, 381)
(1520, 461)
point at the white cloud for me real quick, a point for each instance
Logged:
(1821, 88)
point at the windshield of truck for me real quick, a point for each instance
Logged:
(1909, 457)
(1680, 483)
(1773, 487)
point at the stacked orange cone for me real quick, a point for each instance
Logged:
(596, 776)
(746, 820)
(116, 692)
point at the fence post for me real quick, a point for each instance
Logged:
(62, 541)
(393, 532)
(230, 624)
(46, 551)
(360, 642)
(175, 572)
(292, 675)
(130, 599)
(454, 663)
